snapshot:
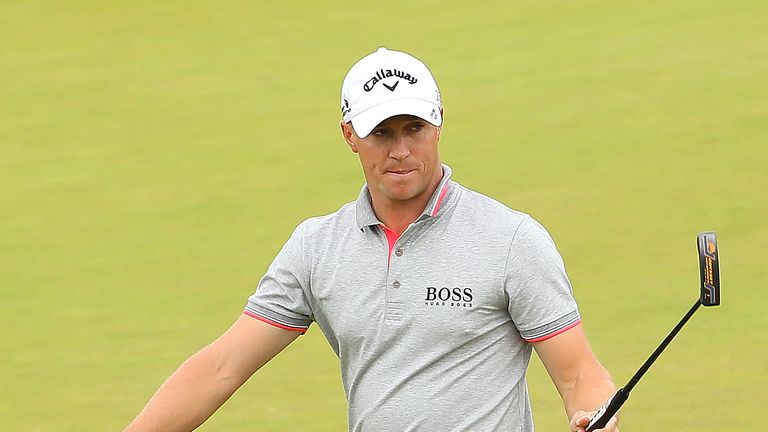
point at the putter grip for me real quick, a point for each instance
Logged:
(608, 410)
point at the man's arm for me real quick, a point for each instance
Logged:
(207, 379)
(581, 381)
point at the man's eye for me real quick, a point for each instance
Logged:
(417, 127)
(378, 132)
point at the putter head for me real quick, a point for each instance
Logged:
(709, 268)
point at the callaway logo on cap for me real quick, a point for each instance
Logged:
(387, 83)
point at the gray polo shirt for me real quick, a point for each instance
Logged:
(433, 328)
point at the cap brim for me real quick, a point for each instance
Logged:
(364, 122)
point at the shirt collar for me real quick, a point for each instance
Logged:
(364, 210)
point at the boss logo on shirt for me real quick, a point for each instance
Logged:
(449, 297)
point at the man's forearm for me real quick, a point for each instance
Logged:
(205, 381)
(589, 391)
(188, 397)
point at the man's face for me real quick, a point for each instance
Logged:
(399, 158)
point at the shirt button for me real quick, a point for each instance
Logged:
(399, 252)
(396, 284)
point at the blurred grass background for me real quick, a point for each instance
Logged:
(154, 156)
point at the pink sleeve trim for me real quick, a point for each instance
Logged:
(553, 334)
(276, 324)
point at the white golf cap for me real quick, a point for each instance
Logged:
(387, 83)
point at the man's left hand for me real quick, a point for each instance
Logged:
(581, 419)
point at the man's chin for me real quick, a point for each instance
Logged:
(401, 194)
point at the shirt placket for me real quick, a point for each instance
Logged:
(397, 282)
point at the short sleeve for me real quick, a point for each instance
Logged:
(280, 297)
(541, 301)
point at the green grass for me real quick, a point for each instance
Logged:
(154, 157)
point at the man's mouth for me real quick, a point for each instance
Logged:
(400, 172)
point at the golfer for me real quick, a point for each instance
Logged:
(432, 295)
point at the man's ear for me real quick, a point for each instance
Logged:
(348, 133)
(440, 128)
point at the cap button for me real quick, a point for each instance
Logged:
(381, 49)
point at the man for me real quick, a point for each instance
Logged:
(432, 295)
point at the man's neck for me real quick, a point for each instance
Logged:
(398, 215)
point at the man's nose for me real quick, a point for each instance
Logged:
(400, 148)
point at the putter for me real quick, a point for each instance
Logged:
(709, 272)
